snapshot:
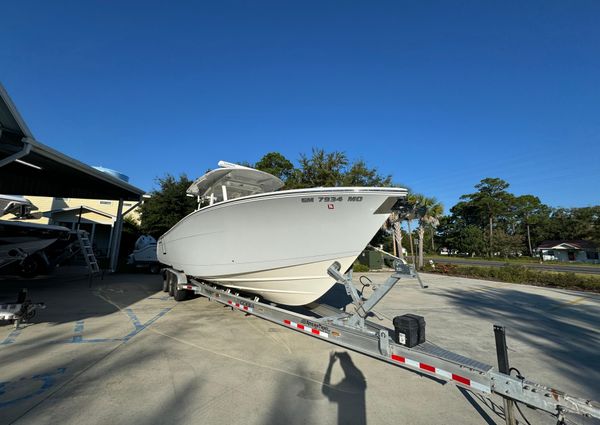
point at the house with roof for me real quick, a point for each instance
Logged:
(96, 216)
(569, 250)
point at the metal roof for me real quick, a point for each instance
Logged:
(568, 244)
(82, 208)
(43, 171)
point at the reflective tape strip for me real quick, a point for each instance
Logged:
(442, 373)
(240, 306)
(306, 329)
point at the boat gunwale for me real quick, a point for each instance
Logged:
(391, 191)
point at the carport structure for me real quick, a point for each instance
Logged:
(28, 167)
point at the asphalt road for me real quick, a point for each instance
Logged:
(548, 267)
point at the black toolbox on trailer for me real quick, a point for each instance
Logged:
(409, 330)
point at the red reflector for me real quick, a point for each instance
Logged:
(398, 358)
(300, 326)
(316, 332)
(287, 322)
(460, 379)
(427, 367)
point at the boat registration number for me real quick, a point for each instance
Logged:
(330, 199)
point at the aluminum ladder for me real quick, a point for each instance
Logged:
(88, 252)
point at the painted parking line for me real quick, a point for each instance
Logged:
(46, 381)
(570, 302)
(138, 327)
(11, 338)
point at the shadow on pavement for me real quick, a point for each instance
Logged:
(70, 296)
(349, 393)
(567, 334)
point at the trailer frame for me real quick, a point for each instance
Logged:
(353, 330)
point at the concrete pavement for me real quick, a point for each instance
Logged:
(122, 351)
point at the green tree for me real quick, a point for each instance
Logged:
(490, 201)
(322, 169)
(401, 213)
(428, 212)
(470, 239)
(528, 210)
(360, 175)
(409, 213)
(167, 205)
(507, 245)
(332, 169)
(276, 164)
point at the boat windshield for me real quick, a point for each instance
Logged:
(232, 181)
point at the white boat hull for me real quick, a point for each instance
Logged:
(278, 245)
(20, 239)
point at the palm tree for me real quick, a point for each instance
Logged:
(428, 212)
(394, 222)
(405, 212)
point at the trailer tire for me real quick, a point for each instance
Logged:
(31, 266)
(165, 287)
(172, 284)
(180, 295)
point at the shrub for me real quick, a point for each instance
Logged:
(360, 268)
(520, 274)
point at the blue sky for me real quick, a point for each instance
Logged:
(438, 94)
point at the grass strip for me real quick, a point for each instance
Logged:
(519, 274)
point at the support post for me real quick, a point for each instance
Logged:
(504, 367)
(116, 238)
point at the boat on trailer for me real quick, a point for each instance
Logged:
(252, 237)
(20, 240)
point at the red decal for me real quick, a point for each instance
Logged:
(398, 358)
(316, 332)
(460, 379)
(300, 326)
(229, 302)
(287, 322)
(427, 367)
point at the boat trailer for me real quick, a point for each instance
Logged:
(354, 331)
(20, 311)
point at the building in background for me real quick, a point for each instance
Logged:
(96, 216)
(571, 250)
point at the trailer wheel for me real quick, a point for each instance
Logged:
(31, 266)
(180, 295)
(165, 287)
(172, 284)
